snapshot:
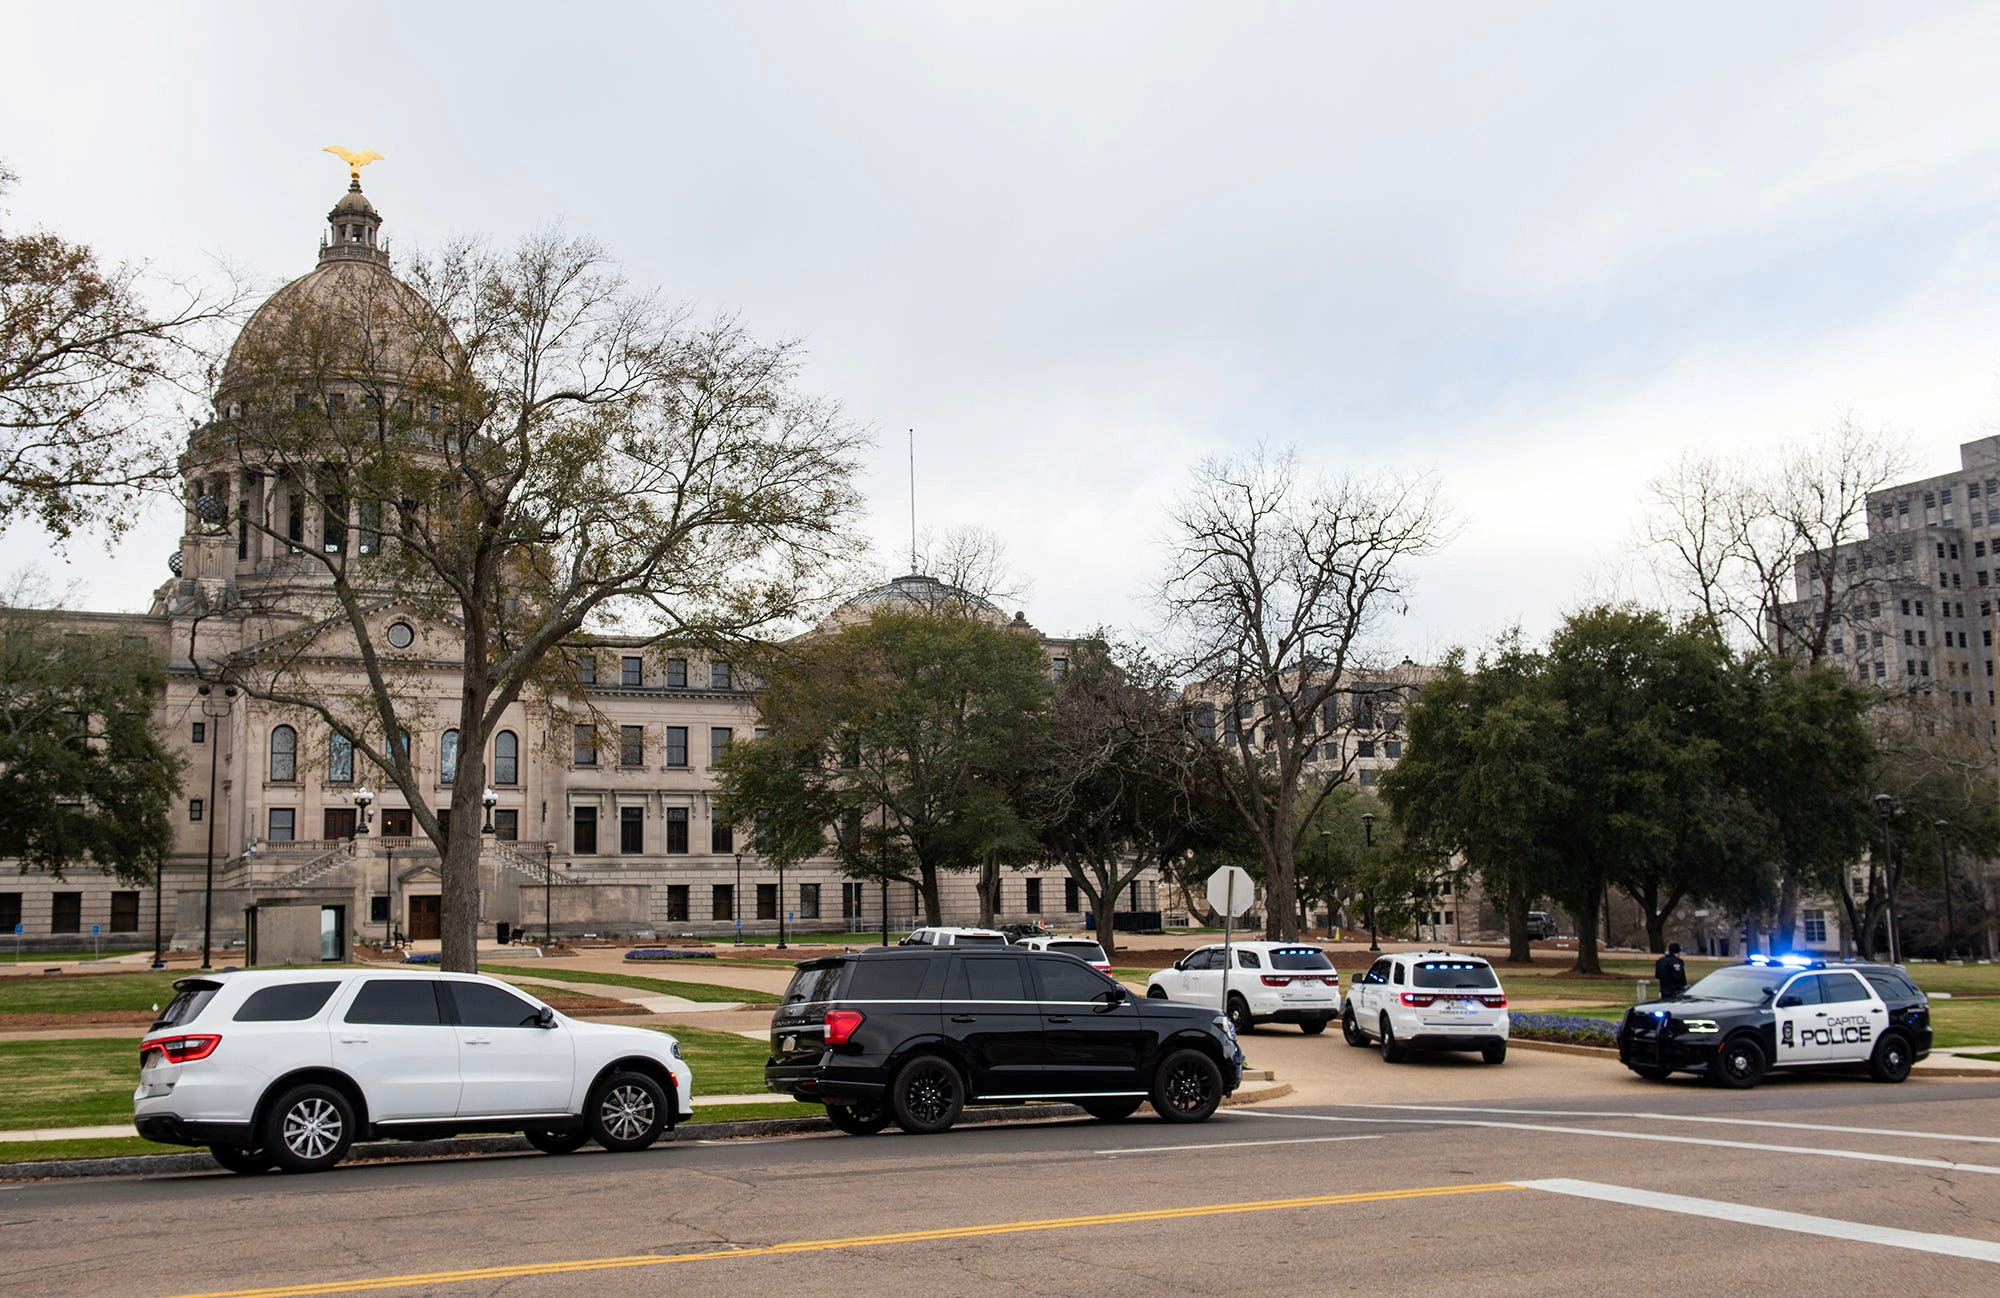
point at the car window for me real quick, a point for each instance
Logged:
(188, 1002)
(482, 1005)
(286, 1003)
(1300, 958)
(1841, 987)
(1803, 990)
(1396, 972)
(989, 980)
(1065, 979)
(1199, 961)
(408, 1001)
(1378, 973)
(1249, 960)
(812, 984)
(886, 980)
(1892, 986)
(1455, 974)
(979, 939)
(1081, 950)
(1738, 983)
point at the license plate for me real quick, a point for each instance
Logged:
(788, 1043)
(1462, 1007)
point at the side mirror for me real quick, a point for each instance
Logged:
(1114, 996)
(1179, 965)
(1788, 1002)
(545, 1017)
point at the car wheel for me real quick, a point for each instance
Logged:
(1313, 1027)
(858, 1119)
(309, 1128)
(926, 1096)
(558, 1142)
(1495, 1054)
(1891, 1061)
(628, 1112)
(1740, 1065)
(1652, 1073)
(236, 1158)
(1352, 1030)
(1392, 1051)
(1187, 1086)
(1240, 1017)
(1156, 993)
(1110, 1110)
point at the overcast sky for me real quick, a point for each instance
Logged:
(1536, 250)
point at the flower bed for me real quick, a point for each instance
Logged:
(423, 957)
(668, 953)
(1570, 1029)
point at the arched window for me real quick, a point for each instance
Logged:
(339, 760)
(448, 757)
(506, 758)
(284, 754)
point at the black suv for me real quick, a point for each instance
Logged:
(913, 1035)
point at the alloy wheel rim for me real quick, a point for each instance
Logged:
(1187, 1089)
(930, 1095)
(627, 1112)
(312, 1128)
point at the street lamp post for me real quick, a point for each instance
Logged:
(1944, 868)
(781, 906)
(489, 800)
(548, 894)
(362, 797)
(1368, 833)
(388, 899)
(215, 709)
(1884, 805)
(736, 900)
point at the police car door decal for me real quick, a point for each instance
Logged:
(1794, 1008)
(1853, 1016)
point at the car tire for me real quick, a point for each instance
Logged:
(309, 1128)
(1651, 1072)
(1110, 1110)
(927, 1095)
(858, 1119)
(1352, 1030)
(558, 1142)
(628, 1112)
(1240, 1016)
(1187, 1086)
(1392, 1050)
(1156, 993)
(1740, 1064)
(1892, 1060)
(1313, 1027)
(1496, 1054)
(242, 1161)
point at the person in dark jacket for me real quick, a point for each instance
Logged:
(1671, 972)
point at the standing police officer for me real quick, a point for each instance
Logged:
(1671, 972)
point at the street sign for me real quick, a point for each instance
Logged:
(1230, 890)
(95, 930)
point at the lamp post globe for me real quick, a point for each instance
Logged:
(363, 796)
(489, 799)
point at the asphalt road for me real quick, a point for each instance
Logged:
(1616, 1186)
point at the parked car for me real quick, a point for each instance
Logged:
(1272, 982)
(1082, 948)
(1743, 1020)
(912, 1035)
(1019, 930)
(1436, 1000)
(1540, 927)
(947, 935)
(288, 1068)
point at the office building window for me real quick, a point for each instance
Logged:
(677, 831)
(284, 754)
(767, 901)
(677, 673)
(677, 745)
(280, 823)
(507, 824)
(583, 745)
(66, 912)
(721, 838)
(719, 740)
(677, 903)
(850, 901)
(722, 901)
(586, 669)
(631, 830)
(1032, 903)
(583, 831)
(718, 676)
(1070, 897)
(201, 732)
(124, 912)
(506, 758)
(10, 911)
(448, 757)
(631, 746)
(808, 901)
(631, 671)
(1815, 924)
(195, 809)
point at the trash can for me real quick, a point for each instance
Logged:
(506, 933)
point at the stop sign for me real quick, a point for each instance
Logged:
(1230, 890)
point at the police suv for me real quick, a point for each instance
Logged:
(1790, 1012)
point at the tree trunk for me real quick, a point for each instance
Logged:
(1518, 950)
(1788, 906)
(458, 870)
(927, 885)
(1281, 896)
(1105, 912)
(1586, 933)
(989, 891)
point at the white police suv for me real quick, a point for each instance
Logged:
(1434, 1000)
(288, 1068)
(1270, 982)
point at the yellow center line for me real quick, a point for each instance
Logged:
(857, 1241)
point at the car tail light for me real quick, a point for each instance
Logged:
(1331, 980)
(180, 1050)
(1418, 999)
(1272, 980)
(840, 1026)
(1494, 1002)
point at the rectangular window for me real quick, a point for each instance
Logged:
(767, 901)
(378, 909)
(631, 671)
(1032, 903)
(718, 676)
(850, 902)
(10, 911)
(1364, 748)
(722, 901)
(677, 903)
(66, 913)
(124, 912)
(586, 669)
(721, 838)
(631, 830)
(583, 831)
(677, 673)
(1058, 667)
(631, 746)
(677, 831)
(194, 811)
(719, 740)
(339, 759)
(1070, 897)
(584, 745)
(507, 824)
(1392, 748)
(677, 745)
(808, 901)
(1815, 923)
(200, 732)
(281, 823)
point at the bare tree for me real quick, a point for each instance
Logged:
(526, 449)
(1276, 581)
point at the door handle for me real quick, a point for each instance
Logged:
(1059, 1018)
(354, 1041)
(963, 1018)
(479, 1041)
(1820, 1015)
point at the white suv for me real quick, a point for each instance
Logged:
(1433, 1000)
(1272, 982)
(1083, 948)
(288, 1068)
(946, 935)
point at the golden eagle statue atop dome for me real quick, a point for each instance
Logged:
(355, 161)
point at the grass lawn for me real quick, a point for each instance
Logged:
(82, 993)
(706, 992)
(52, 957)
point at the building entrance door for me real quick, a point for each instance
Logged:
(423, 919)
(396, 822)
(339, 823)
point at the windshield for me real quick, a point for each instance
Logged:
(191, 996)
(1300, 958)
(1740, 984)
(1081, 950)
(979, 939)
(1454, 974)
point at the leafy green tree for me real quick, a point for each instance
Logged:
(84, 779)
(903, 734)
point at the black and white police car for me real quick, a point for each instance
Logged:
(1743, 1020)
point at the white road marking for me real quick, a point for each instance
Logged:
(1941, 1164)
(1232, 1144)
(1683, 1117)
(1975, 1250)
